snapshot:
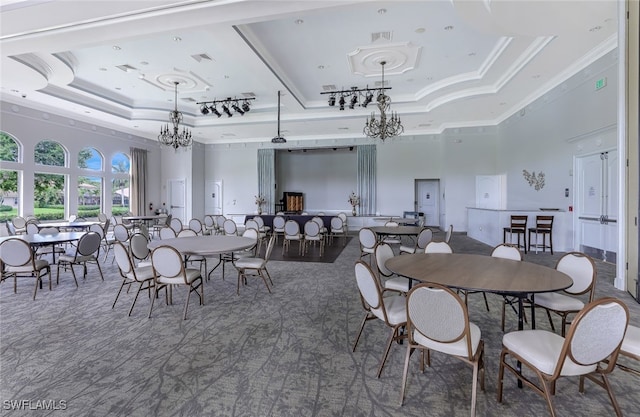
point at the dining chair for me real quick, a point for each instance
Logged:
(337, 229)
(292, 233)
(261, 236)
(169, 271)
(392, 239)
(517, 226)
(312, 235)
(230, 228)
(383, 252)
(139, 250)
(176, 224)
(631, 348)
(19, 225)
(448, 234)
(255, 266)
(209, 225)
(582, 270)
(438, 320)
(196, 226)
(164, 220)
(262, 228)
(19, 261)
(167, 233)
(438, 247)
(220, 224)
(84, 252)
(278, 226)
(390, 309)
(512, 252)
(424, 237)
(368, 240)
(202, 260)
(323, 228)
(130, 273)
(595, 336)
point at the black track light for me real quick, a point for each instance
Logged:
(204, 109)
(245, 106)
(341, 102)
(215, 111)
(367, 99)
(354, 101)
(332, 100)
(226, 111)
(237, 108)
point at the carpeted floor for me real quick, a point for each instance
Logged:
(256, 354)
(330, 253)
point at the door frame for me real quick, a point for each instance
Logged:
(184, 196)
(416, 186)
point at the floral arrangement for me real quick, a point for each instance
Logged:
(354, 200)
(260, 200)
(537, 182)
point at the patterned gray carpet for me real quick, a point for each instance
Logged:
(256, 354)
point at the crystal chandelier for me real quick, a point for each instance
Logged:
(174, 138)
(388, 125)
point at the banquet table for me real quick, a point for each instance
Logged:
(206, 246)
(383, 231)
(482, 273)
(84, 224)
(38, 239)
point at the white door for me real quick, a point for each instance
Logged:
(428, 202)
(213, 197)
(178, 199)
(597, 205)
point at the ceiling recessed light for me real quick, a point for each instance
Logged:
(103, 69)
(535, 76)
(177, 39)
(118, 88)
(471, 54)
(382, 11)
(144, 63)
(320, 67)
(502, 103)
(448, 27)
(116, 48)
(595, 28)
(299, 21)
(421, 30)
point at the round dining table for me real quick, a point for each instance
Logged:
(482, 273)
(206, 246)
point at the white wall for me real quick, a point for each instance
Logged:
(237, 168)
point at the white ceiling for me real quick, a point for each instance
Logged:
(450, 63)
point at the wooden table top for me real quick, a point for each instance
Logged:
(479, 272)
(205, 245)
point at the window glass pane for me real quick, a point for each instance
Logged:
(51, 153)
(49, 196)
(89, 196)
(8, 148)
(119, 196)
(89, 158)
(8, 194)
(120, 164)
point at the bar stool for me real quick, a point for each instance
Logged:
(519, 227)
(544, 227)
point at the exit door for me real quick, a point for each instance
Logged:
(427, 201)
(597, 205)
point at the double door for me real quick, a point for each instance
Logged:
(597, 205)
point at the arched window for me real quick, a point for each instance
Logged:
(48, 152)
(10, 151)
(90, 187)
(120, 167)
(49, 187)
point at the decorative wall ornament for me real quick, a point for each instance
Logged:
(535, 181)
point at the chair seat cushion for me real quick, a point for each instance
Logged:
(39, 264)
(250, 263)
(558, 302)
(541, 349)
(408, 249)
(142, 273)
(68, 257)
(458, 348)
(368, 250)
(396, 306)
(631, 341)
(191, 275)
(398, 284)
